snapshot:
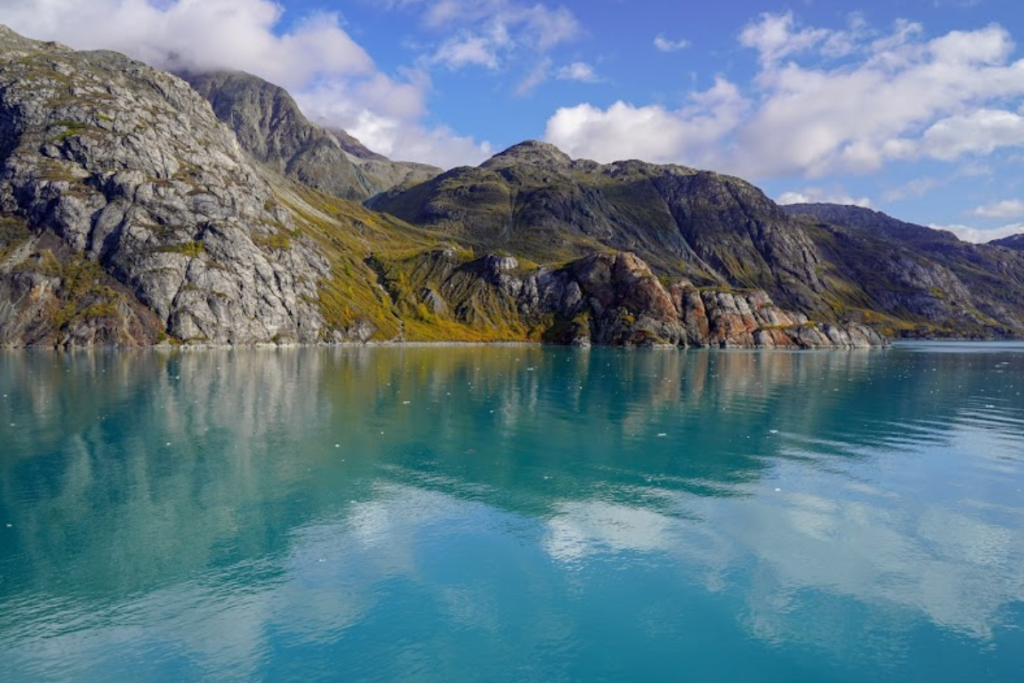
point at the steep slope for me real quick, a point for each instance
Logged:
(357, 149)
(533, 200)
(932, 282)
(270, 126)
(718, 231)
(1012, 242)
(611, 299)
(130, 170)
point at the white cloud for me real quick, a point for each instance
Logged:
(395, 136)
(490, 33)
(774, 38)
(652, 133)
(213, 34)
(978, 235)
(890, 97)
(578, 71)
(537, 75)
(471, 50)
(980, 132)
(663, 44)
(817, 195)
(918, 187)
(974, 169)
(332, 76)
(1008, 208)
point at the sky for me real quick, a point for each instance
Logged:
(911, 107)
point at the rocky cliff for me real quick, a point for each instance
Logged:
(128, 168)
(534, 200)
(609, 299)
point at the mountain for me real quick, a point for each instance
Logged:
(829, 262)
(1011, 242)
(270, 126)
(935, 283)
(131, 213)
(535, 201)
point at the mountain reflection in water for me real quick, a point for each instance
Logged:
(512, 513)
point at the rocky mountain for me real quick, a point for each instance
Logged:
(1011, 242)
(607, 298)
(130, 213)
(930, 281)
(534, 200)
(832, 263)
(270, 126)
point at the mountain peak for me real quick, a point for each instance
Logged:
(531, 152)
(270, 126)
(11, 40)
(1011, 242)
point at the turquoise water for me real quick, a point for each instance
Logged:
(513, 514)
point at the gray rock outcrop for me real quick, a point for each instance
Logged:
(130, 169)
(609, 299)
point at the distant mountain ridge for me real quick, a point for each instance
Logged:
(1011, 242)
(919, 272)
(136, 208)
(271, 127)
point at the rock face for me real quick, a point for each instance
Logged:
(623, 303)
(608, 299)
(947, 286)
(271, 127)
(52, 296)
(131, 170)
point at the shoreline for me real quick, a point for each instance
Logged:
(270, 346)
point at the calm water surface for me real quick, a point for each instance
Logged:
(513, 514)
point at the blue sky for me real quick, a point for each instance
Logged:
(914, 107)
